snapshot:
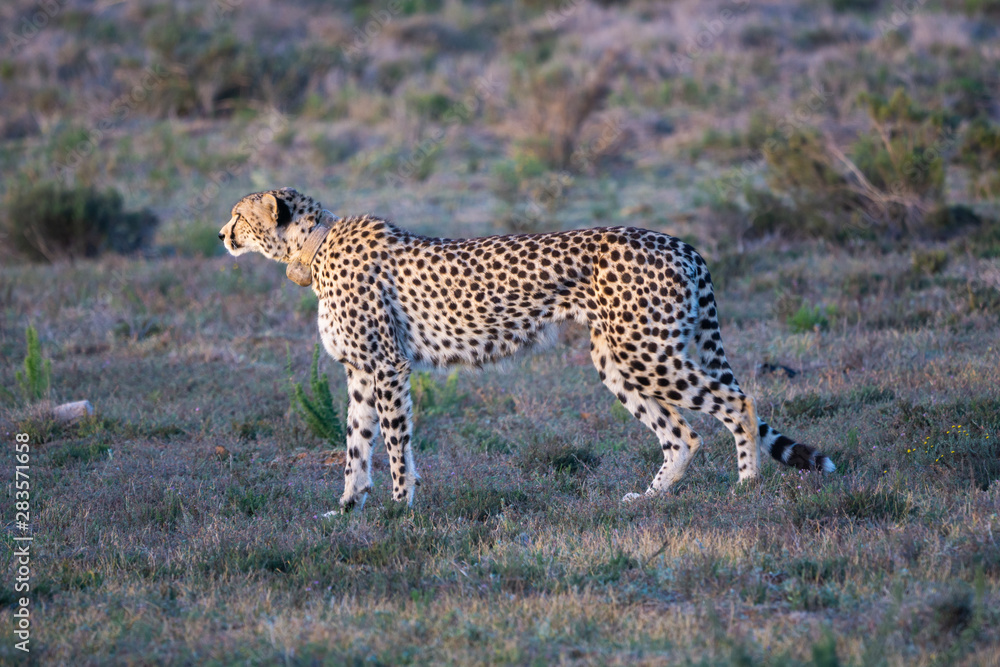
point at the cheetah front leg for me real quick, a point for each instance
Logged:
(362, 427)
(395, 412)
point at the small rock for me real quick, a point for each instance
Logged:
(70, 412)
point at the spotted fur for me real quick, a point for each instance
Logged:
(389, 299)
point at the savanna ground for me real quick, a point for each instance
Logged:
(836, 163)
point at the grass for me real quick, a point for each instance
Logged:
(184, 523)
(36, 379)
(517, 549)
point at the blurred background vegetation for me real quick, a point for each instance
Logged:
(836, 161)
(129, 126)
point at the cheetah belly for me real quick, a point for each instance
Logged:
(501, 323)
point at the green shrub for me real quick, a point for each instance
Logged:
(611, 570)
(820, 571)
(770, 215)
(878, 504)
(308, 305)
(987, 7)
(811, 406)
(808, 318)
(810, 39)
(421, 163)
(430, 106)
(903, 152)
(526, 176)
(506, 181)
(547, 453)
(944, 222)
(319, 412)
(870, 395)
(430, 398)
(200, 240)
(247, 501)
(531, 193)
(250, 429)
(814, 198)
(390, 74)
(929, 262)
(214, 72)
(985, 241)
(854, 5)
(379, 165)
(36, 380)
(559, 100)
(883, 183)
(758, 36)
(333, 150)
(980, 152)
(49, 221)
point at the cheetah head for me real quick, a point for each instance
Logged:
(275, 223)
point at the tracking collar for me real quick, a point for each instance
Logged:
(299, 270)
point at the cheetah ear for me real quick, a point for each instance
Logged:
(278, 208)
(270, 205)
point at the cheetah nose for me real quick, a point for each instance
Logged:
(222, 237)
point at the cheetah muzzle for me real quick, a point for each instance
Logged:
(389, 298)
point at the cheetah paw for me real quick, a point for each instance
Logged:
(632, 497)
(355, 503)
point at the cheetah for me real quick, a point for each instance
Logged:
(389, 299)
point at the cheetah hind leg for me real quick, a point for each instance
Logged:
(736, 411)
(677, 440)
(720, 394)
(678, 452)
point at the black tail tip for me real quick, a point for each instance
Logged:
(804, 457)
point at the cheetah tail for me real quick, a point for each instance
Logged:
(785, 450)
